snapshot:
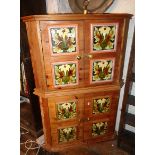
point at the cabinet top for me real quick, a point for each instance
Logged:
(70, 16)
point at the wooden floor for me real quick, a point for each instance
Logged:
(102, 148)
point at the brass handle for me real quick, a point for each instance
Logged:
(90, 56)
(88, 119)
(78, 57)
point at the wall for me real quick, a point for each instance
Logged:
(118, 6)
(57, 6)
(124, 6)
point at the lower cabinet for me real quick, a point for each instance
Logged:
(81, 118)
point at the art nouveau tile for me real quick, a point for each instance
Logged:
(99, 128)
(63, 39)
(67, 134)
(66, 110)
(104, 37)
(65, 74)
(102, 70)
(101, 105)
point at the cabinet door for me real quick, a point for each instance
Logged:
(65, 114)
(100, 114)
(63, 47)
(103, 51)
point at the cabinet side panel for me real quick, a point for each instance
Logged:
(46, 121)
(123, 47)
(34, 40)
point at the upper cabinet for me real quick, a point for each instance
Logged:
(82, 50)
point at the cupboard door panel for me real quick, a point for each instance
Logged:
(100, 113)
(65, 114)
(63, 49)
(103, 51)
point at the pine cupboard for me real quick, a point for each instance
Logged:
(77, 63)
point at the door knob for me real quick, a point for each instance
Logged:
(90, 56)
(78, 57)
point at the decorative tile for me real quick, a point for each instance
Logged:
(66, 110)
(101, 105)
(65, 74)
(63, 39)
(104, 37)
(99, 128)
(67, 134)
(102, 70)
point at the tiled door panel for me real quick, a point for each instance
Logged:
(103, 51)
(65, 113)
(63, 49)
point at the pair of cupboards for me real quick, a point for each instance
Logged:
(77, 63)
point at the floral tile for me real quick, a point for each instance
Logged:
(65, 74)
(63, 39)
(101, 105)
(67, 134)
(99, 128)
(66, 110)
(102, 70)
(104, 37)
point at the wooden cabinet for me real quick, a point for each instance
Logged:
(77, 63)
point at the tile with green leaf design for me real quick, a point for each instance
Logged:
(63, 39)
(67, 134)
(65, 74)
(99, 128)
(66, 110)
(104, 37)
(101, 105)
(102, 70)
